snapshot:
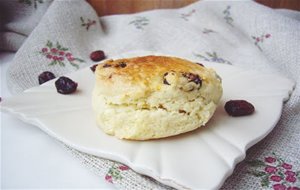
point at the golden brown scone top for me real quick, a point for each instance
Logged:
(146, 68)
(148, 72)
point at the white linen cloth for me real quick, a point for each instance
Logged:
(244, 34)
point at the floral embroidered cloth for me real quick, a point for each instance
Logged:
(244, 34)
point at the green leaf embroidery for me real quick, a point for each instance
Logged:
(58, 46)
(199, 55)
(298, 175)
(114, 172)
(139, 22)
(258, 173)
(64, 49)
(227, 16)
(265, 182)
(49, 44)
(281, 174)
(80, 60)
(215, 54)
(74, 65)
(88, 23)
(61, 63)
(53, 62)
(209, 54)
(256, 163)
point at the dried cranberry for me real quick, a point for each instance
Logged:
(65, 85)
(93, 68)
(239, 107)
(45, 76)
(122, 64)
(97, 55)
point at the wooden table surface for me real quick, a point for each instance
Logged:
(110, 7)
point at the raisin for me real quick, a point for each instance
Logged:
(182, 111)
(65, 85)
(165, 80)
(93, 68)
(239, 108)
(197, 80)
(160, 106)
(122, 64)
(97, 55)
(45, 76)
(193, 78)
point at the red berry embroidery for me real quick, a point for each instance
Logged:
(59, 55)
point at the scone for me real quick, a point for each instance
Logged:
(152, 97)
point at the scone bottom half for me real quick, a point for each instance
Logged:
(152, 97)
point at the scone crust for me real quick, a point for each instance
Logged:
(144, 69)
(152, 97)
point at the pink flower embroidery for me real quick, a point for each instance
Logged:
(270, 159)
(275, 173)
(114, 173)
(291, 179)
(293, 188)
(54, 50)
(279, 187)
(61, 53)
(108, 178)
(260, 39)
(271, 169)
(57, 55)
(291, 173)
(123, 167)
(275, 178)
(268, 35)
(71, 59)
(286, 166)
(68, 54)
(44, 50)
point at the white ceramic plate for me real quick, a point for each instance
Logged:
(201, 159)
